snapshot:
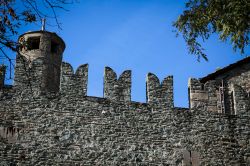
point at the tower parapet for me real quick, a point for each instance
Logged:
(39, 58)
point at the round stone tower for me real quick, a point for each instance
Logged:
(39, 59)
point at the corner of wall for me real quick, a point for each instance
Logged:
(241, 100)
(198, 97)
(203, 96)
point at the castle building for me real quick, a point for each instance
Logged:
(224, 91)
(46, 117)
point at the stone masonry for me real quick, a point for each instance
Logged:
(46, 117)
(225, 91)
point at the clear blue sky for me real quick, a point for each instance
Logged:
(136, 35)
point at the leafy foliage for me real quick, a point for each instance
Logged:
(12, 17)
(230, 19)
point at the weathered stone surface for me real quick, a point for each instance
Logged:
(2, 76)
(160, 95)
(74, 84)
(87, 130)
(39, 126)
(44, 48)
(117, 90)
(231, 98)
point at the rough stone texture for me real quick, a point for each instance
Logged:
(241, 100)
(66, 127)
(95, 131)
(237, 76)
(48, 48)
(117, 90)
(203, 95)
(2, 76)
(28, 75)
(207, 96)
(160, 95)
(74, 84)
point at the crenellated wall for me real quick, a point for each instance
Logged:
(46, 118)
(74, 83)
(117, 89)
(160, 94)
(71, 128)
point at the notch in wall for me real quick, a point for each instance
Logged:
(74, 83)
(117, 89)
(160, 94)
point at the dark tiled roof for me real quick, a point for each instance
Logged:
(225, 69)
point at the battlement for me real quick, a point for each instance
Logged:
(74, 83)
(116, 89)
(46, 117)
(160, 94)
(39, 67)
(213, 95)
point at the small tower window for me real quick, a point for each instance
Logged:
(54, 47)
(33, 43)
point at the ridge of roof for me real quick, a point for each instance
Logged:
(224, 70)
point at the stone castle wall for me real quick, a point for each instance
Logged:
(46, 117)
(71, 128)
(95, 131)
